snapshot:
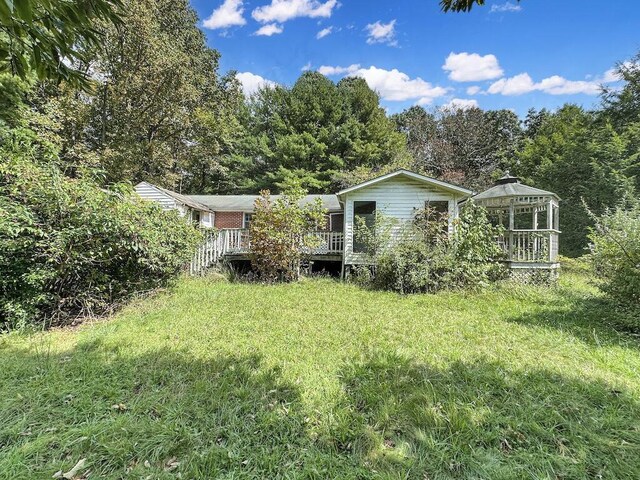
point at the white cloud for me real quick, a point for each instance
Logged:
(554, 85)
(227, 15)
(306, 67)
(381, 33)
(283, 10)
(324, 32)
(557, 85)
(474, 90)
(611, 76)
(251, 82)
(394, 85)
(505, 7)
(513, 86)
(269, 29)
(471, 67)
(460, 104)
(329, 70)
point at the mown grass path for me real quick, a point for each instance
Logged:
(325, 380)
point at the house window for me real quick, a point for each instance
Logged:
(438, 211)
(439, 207)
(246, 220)
(336, 222)
(363, 212)
(195, 217)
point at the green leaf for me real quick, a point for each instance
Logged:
(24, 10)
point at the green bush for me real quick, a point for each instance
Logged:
(615, 251)
(68, 247)
(426, 258)
(281, 233)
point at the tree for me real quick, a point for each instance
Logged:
(460, 145)
(578, 160)
(51, 37)
(621, 106)
(70, 246)
(158, 110)
(317, 132)
(421, 131)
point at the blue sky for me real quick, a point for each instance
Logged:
(536, 53)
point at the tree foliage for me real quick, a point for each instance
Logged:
(465, 146)
(578, 159)
(50, 37)
(315, 130)
(281, 233)
(69, 247)
(615, 252)
(158, 109)
(459, 5)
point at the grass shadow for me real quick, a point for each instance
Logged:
(152, 416)
(484, 420)
(595, 320)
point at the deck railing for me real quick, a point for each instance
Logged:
(329, 243)
(530, 246)
(236, 241)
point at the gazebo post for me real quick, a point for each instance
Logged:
(511, 228)
(549, 227)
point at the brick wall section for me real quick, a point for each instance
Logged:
(229, 219)
(234, 220)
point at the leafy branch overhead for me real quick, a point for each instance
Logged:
(51, 37)
(459, 5)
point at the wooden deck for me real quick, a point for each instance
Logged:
(523, 249)
(234, 244)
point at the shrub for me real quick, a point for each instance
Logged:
(281, 234)
(615, 251)
(424, 257)
(68, 247)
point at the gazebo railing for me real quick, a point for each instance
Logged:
(530, 246)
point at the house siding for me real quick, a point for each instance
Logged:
(397, 198)
(149, 192)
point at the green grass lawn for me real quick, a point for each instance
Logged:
(325, 380)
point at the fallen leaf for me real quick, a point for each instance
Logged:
(73, 472)
(171, 464)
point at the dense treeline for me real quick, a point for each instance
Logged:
(157, 109)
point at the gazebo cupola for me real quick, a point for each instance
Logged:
(531, 221)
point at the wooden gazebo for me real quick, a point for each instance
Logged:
(530, 218)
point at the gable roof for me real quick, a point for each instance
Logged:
(245, 203)
(513, 190)
(416, 176)
(183, 199)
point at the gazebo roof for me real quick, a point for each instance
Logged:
(509, 187)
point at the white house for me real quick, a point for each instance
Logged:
(398, 196)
